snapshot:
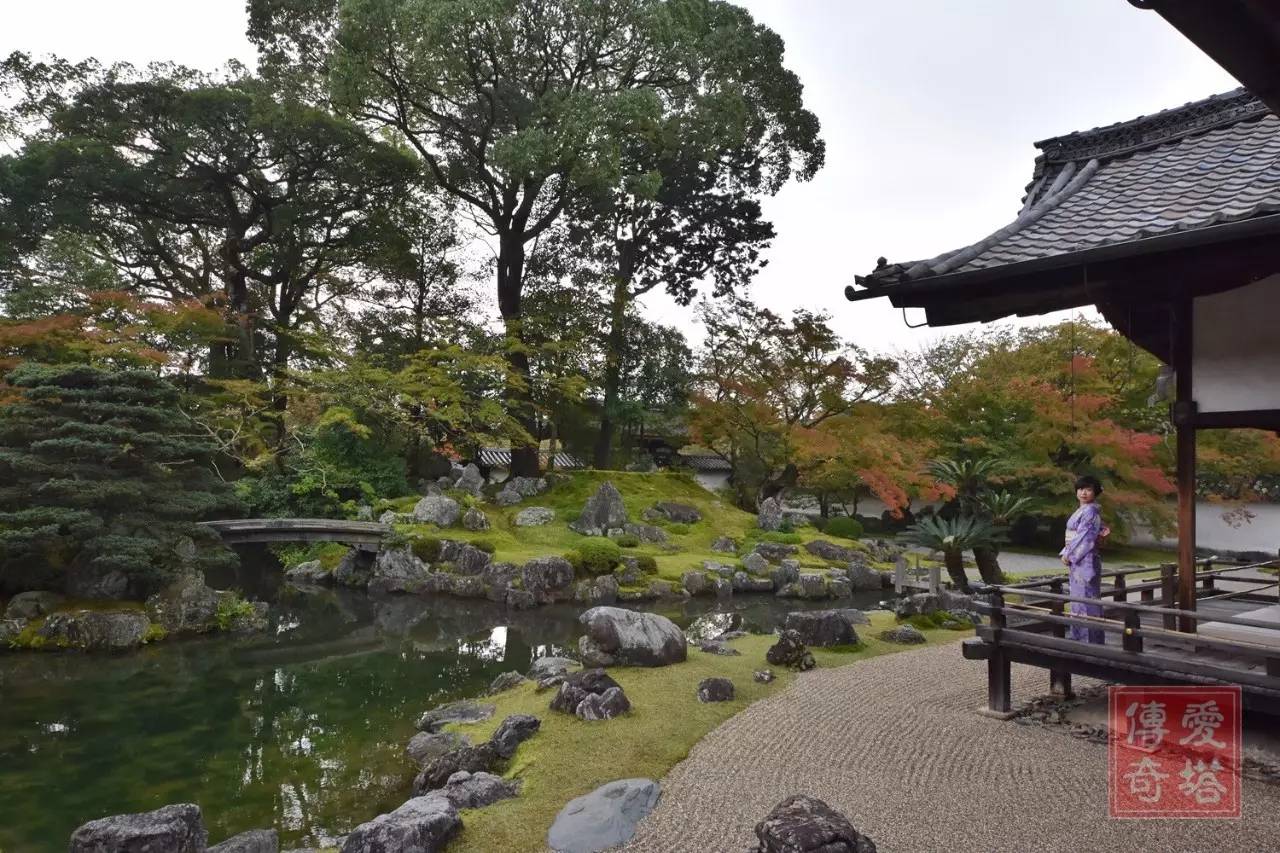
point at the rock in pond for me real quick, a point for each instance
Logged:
(907, 635)
(473, 759)
(545, 667)
(398, 570)
(173, 829)
(617, 637)
(790, 652)
(715, 690)
(422, 825)
(695, 583)
(253, 841)
(440, 510)
(32, 605)
(506, 681)
(822, 628)
(802, 824)
(94, 630)
(755, 563)
(426, 747)
(604, 511)
(462, 711)
(354, 569)
(605, 818)
(534, 516)
(548, 579)
(863, 578)
(309, 572)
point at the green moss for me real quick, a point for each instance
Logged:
(782, 538)
(595, 556)
(485, 545)
(844, 527)
(569, 757)
(154, 633)
(937, 619)
(425, 548)
(627, 541)
(328, 553)
(678, 529)
(647, 564)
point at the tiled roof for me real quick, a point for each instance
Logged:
(496, 457)
(705, 463)
(1205, 163)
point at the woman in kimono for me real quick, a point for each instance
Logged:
(1081, 556)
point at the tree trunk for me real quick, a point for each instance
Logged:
(615, 342)
(524, 457)
(988, 560)
(954, 561)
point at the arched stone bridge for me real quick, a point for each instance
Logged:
(364, 535)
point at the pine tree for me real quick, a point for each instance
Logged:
(101, 477)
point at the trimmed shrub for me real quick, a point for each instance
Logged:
(844, 527)
(596, 556)
(485, 545)
(627, 541)
(647, 564)
(783, 538)
(678, 529)
(425, 548)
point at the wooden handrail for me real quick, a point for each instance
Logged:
(1142, 608)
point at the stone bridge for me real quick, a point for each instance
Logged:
(364, 535)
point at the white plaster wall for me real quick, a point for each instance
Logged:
(1262, 533)
(1236, 348)
(712, 480)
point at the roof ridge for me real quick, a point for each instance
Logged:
(1067, 183)
(1149, 131)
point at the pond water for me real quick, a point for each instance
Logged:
(301, 729)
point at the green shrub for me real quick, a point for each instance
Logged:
(627, 541)
(485, 545)
(425, 548)
(647, 564)
(678, 529)
(231, 608)
(844, 527)
(154, 633)
(784, 538)
(596, 556)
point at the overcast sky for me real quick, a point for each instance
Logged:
(929, 109)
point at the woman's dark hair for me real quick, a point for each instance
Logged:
(1089, 482)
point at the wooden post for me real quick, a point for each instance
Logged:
(1167, 577)
(1059, 679)
(1121, 594)
(935, 579)
(899, 574)
(1132, 641)
(999, 677)
(1184, 409)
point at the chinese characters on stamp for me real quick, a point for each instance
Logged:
(1174, 752)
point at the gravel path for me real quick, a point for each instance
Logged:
(895, 744)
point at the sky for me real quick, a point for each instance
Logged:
(929, 109)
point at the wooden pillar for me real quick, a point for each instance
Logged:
(1184, 411)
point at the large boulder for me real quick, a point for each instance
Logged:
(743, 582)
(527, 486)
(802, 824)
(548, 578)
(604, 511)
(88, 582)
(95, 630)
(253, 841)
(755, 563)
(398, 570)
(468, 559)
(604, 818)
(435, 774)
(513, 731)
(674, 512)
(696, 583)
(775, 552)
(186, 606)
(421, 825)
(907, 635)
(354, 570)
(830, 551)
(810, 586)
(440, 510)
(473, 790)
(787, 572)
(470, 481)
(769, 516)
(32, 605)
(534, 516)
(507, 497)
(790, 652)
(725, 545)
(822, 628)
(863, 578)
(475, 520)
(617, 637)
(172, 829)
(601, 590)
(920, 604)
(545, 667)
(462, 711)
(504, 682)
(425, 747)
(310, 572)
(645, 532)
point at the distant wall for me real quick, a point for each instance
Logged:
(712, 480)
(1215, 534)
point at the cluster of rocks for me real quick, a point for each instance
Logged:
(177, 828)
(774, 567)
(954, 606)
(590, 695)
(715, 690)
(517, 489)
(186, 606)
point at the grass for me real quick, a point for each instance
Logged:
(689, 544)
(569, 757)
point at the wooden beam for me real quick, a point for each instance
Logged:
(1253, 419)
(1181, 346)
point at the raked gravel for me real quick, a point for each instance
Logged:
(895, 743)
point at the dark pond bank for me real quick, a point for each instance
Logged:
(300, 729)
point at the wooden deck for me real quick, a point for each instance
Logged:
(1148, 640)
(364, 535)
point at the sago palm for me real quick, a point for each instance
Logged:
(1002, 509)
(953, 536)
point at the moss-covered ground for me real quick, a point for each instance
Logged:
(569, 757)
(688, 545)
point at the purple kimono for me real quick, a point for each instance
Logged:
(1083, 529)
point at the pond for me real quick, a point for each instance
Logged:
(302, 729)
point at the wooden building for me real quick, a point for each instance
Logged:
(1170, 225)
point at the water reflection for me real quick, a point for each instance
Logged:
(301, 729)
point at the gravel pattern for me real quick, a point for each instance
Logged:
(895, 744)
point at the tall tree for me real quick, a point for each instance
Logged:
(518, 109)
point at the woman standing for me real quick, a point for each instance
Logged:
(1081, 556)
